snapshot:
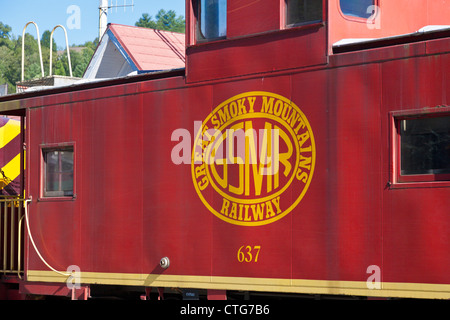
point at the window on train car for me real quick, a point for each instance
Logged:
(58, 172)
(357, 8)
(212, 19)
(299, 12)
(424, 148)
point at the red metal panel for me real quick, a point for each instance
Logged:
(279, 84)
(379, 54)
(438, 46)
(415, 227)
(427, 90)
(314, 220)
(415, 219)
(108, 186)
(53, 224)
(293, 48)
(111, 186)
(245, 17)
(354, 169)
(174, 224)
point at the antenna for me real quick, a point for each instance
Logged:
(103, 13)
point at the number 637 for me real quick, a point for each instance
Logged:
(248, 253)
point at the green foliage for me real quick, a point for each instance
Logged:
(5, 36)
(11, 58)
(165, 20)
(4, 30)
(79, 61)
(146, 21)
(45, 41)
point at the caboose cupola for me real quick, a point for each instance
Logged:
(253, 36)
(257, 36)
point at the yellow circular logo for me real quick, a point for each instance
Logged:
(253, 158)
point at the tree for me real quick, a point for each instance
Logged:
(8, 68)
(79, 60)
(32, 68)
(45, 41)
(5, 31)
(91, 44)
(146, 21)
(165, 20)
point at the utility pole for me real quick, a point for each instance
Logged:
(103, 18)
(103, 14)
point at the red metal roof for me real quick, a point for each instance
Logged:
(151, 49)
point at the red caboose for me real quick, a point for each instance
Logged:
(285, 158)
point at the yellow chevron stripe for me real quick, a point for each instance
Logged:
(11, 170)
(8, 132)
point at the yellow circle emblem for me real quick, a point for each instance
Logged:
(253, 158)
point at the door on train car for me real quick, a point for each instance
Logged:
(12, 194)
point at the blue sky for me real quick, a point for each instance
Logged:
(79, 17)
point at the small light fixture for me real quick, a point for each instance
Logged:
(164, 263)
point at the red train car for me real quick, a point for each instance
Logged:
(278, 161)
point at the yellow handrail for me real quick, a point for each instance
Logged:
(11, 234)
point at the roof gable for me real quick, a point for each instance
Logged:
(126, 49)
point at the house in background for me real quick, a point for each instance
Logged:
(3, 89)
(127, 50)
(123, 51)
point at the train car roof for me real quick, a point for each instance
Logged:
(423, 34)
(86, 84)
(344, 46)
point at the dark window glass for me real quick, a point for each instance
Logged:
(425, 146)
(58, 180)
(303, 11)
(212, 19)
(357, 8)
